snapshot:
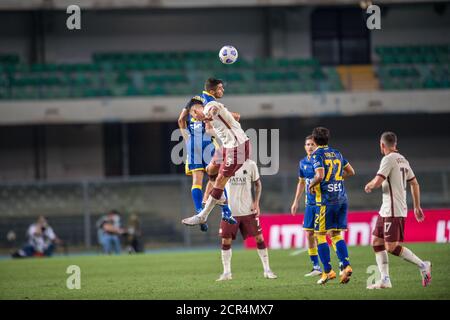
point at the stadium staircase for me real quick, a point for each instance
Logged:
(358, 78)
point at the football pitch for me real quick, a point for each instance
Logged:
(192, 274)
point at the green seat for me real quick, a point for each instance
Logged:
(132, 91)
(430, 83)
(123, 78)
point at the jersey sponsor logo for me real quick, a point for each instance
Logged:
(334, 187)
(197, 125)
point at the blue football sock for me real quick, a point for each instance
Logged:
(226, 211)
(197, 197)
(342, 252)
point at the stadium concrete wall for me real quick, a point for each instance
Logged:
(250, 107)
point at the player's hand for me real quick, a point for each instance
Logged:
(420, 216)
(367, 188)
(312, 190)
(255, 209)
(294, 208)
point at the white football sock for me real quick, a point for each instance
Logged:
(209, 205)
(409, 256)
(264, 255)
(226, 260)
(383, 263)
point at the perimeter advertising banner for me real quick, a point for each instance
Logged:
(284, 231)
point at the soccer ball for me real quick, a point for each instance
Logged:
(228, 54)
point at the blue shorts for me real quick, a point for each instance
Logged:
(331, 217)
(308, 219)
(198, 156)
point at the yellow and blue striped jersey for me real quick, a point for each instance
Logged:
(332, 190)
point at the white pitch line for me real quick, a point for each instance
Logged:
(296, 253)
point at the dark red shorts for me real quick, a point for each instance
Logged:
(248, 225)
(391, 229)
(229, 160)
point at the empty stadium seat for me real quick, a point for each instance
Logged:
(160, 73)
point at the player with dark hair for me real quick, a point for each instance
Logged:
(235, 150)
(393, 177)
(246, 211)
(201, 145)
(330, 168)
(305, 175)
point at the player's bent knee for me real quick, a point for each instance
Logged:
(212, 170)
(259, 238)
(197, 178)
(333, 234)
(310, 234)
(377, 242)
(393, 248)
(226, 241)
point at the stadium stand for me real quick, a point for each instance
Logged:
(158, 74)
(414, 67)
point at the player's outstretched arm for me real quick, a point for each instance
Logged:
(415, 191)
(182, 123)
(348, 171)
(374, 184)
(298, 193)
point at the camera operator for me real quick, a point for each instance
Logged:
(42, 240)
(109, 232)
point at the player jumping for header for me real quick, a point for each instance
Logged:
(227, 160)
(393, 177)
(201, 146)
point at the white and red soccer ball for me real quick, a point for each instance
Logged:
(228, 54)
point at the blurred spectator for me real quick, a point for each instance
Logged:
(134, 234)
(109, 232)
(11, 238)
(42, 240)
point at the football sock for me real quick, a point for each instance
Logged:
(324, 252)
(197, 197)
(226, 258)
(341, 250)
(226, 211)
(382, 259)
(213, 198)
(313, 256)
(263, 255)
(409, 256)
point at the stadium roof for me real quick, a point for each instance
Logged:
(172, 4)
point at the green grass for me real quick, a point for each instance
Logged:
(191, 275)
